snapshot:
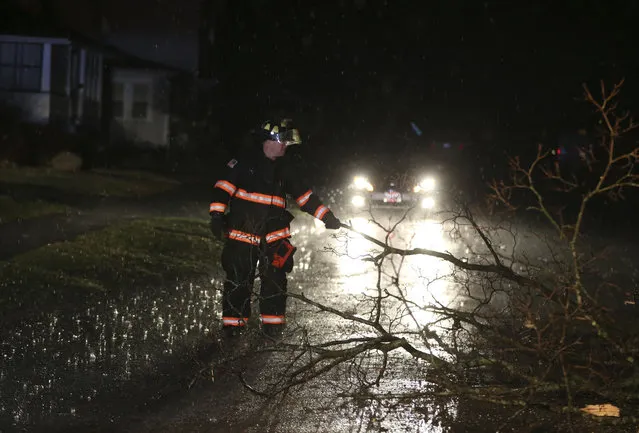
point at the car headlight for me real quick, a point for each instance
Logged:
(428, 184)
(362, 183)
(428, 203)
(358, 201)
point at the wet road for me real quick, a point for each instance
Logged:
(125, 364)
(70, 363)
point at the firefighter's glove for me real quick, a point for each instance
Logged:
(217, 226)
(331, 222)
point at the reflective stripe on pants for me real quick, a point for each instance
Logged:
(272, 319)
(234, 321)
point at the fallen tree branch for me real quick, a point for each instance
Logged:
(496, 268)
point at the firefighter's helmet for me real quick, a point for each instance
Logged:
(281, 131)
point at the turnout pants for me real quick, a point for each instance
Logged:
(240, 263)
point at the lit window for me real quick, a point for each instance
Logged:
(20, 66)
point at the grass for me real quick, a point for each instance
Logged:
(119, 183)
(12, 210)
(130, 256)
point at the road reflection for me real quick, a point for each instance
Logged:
(336, 269)
(413, 281)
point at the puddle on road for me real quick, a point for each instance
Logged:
(52, 367)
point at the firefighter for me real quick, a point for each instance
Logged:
(249, 210)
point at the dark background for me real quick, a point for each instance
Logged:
(498, 75)
(504, 71)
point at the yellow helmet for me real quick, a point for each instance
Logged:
(281, 131)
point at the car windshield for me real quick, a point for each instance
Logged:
(394, 179)
(384, 169)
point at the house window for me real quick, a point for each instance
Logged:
(131, 100)
(20, 66)
(140, 106)
(118, 100)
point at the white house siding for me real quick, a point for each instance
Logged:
(35, 107)
(140, 107)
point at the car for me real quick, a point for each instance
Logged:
(392, 191)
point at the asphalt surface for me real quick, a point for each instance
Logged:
(153, 364)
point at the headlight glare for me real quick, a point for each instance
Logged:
(361, 182)
(428, 184)
(428, 203)
(358, 201)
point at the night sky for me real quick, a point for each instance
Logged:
(358, 71)
(469, 68)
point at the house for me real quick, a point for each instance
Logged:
(77, 83)
(173, 89)
(139, 107)
(52, 80)
(147, 95)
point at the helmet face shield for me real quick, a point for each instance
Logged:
(289, 137)
(282, 133)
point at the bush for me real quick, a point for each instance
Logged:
(27, 144)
